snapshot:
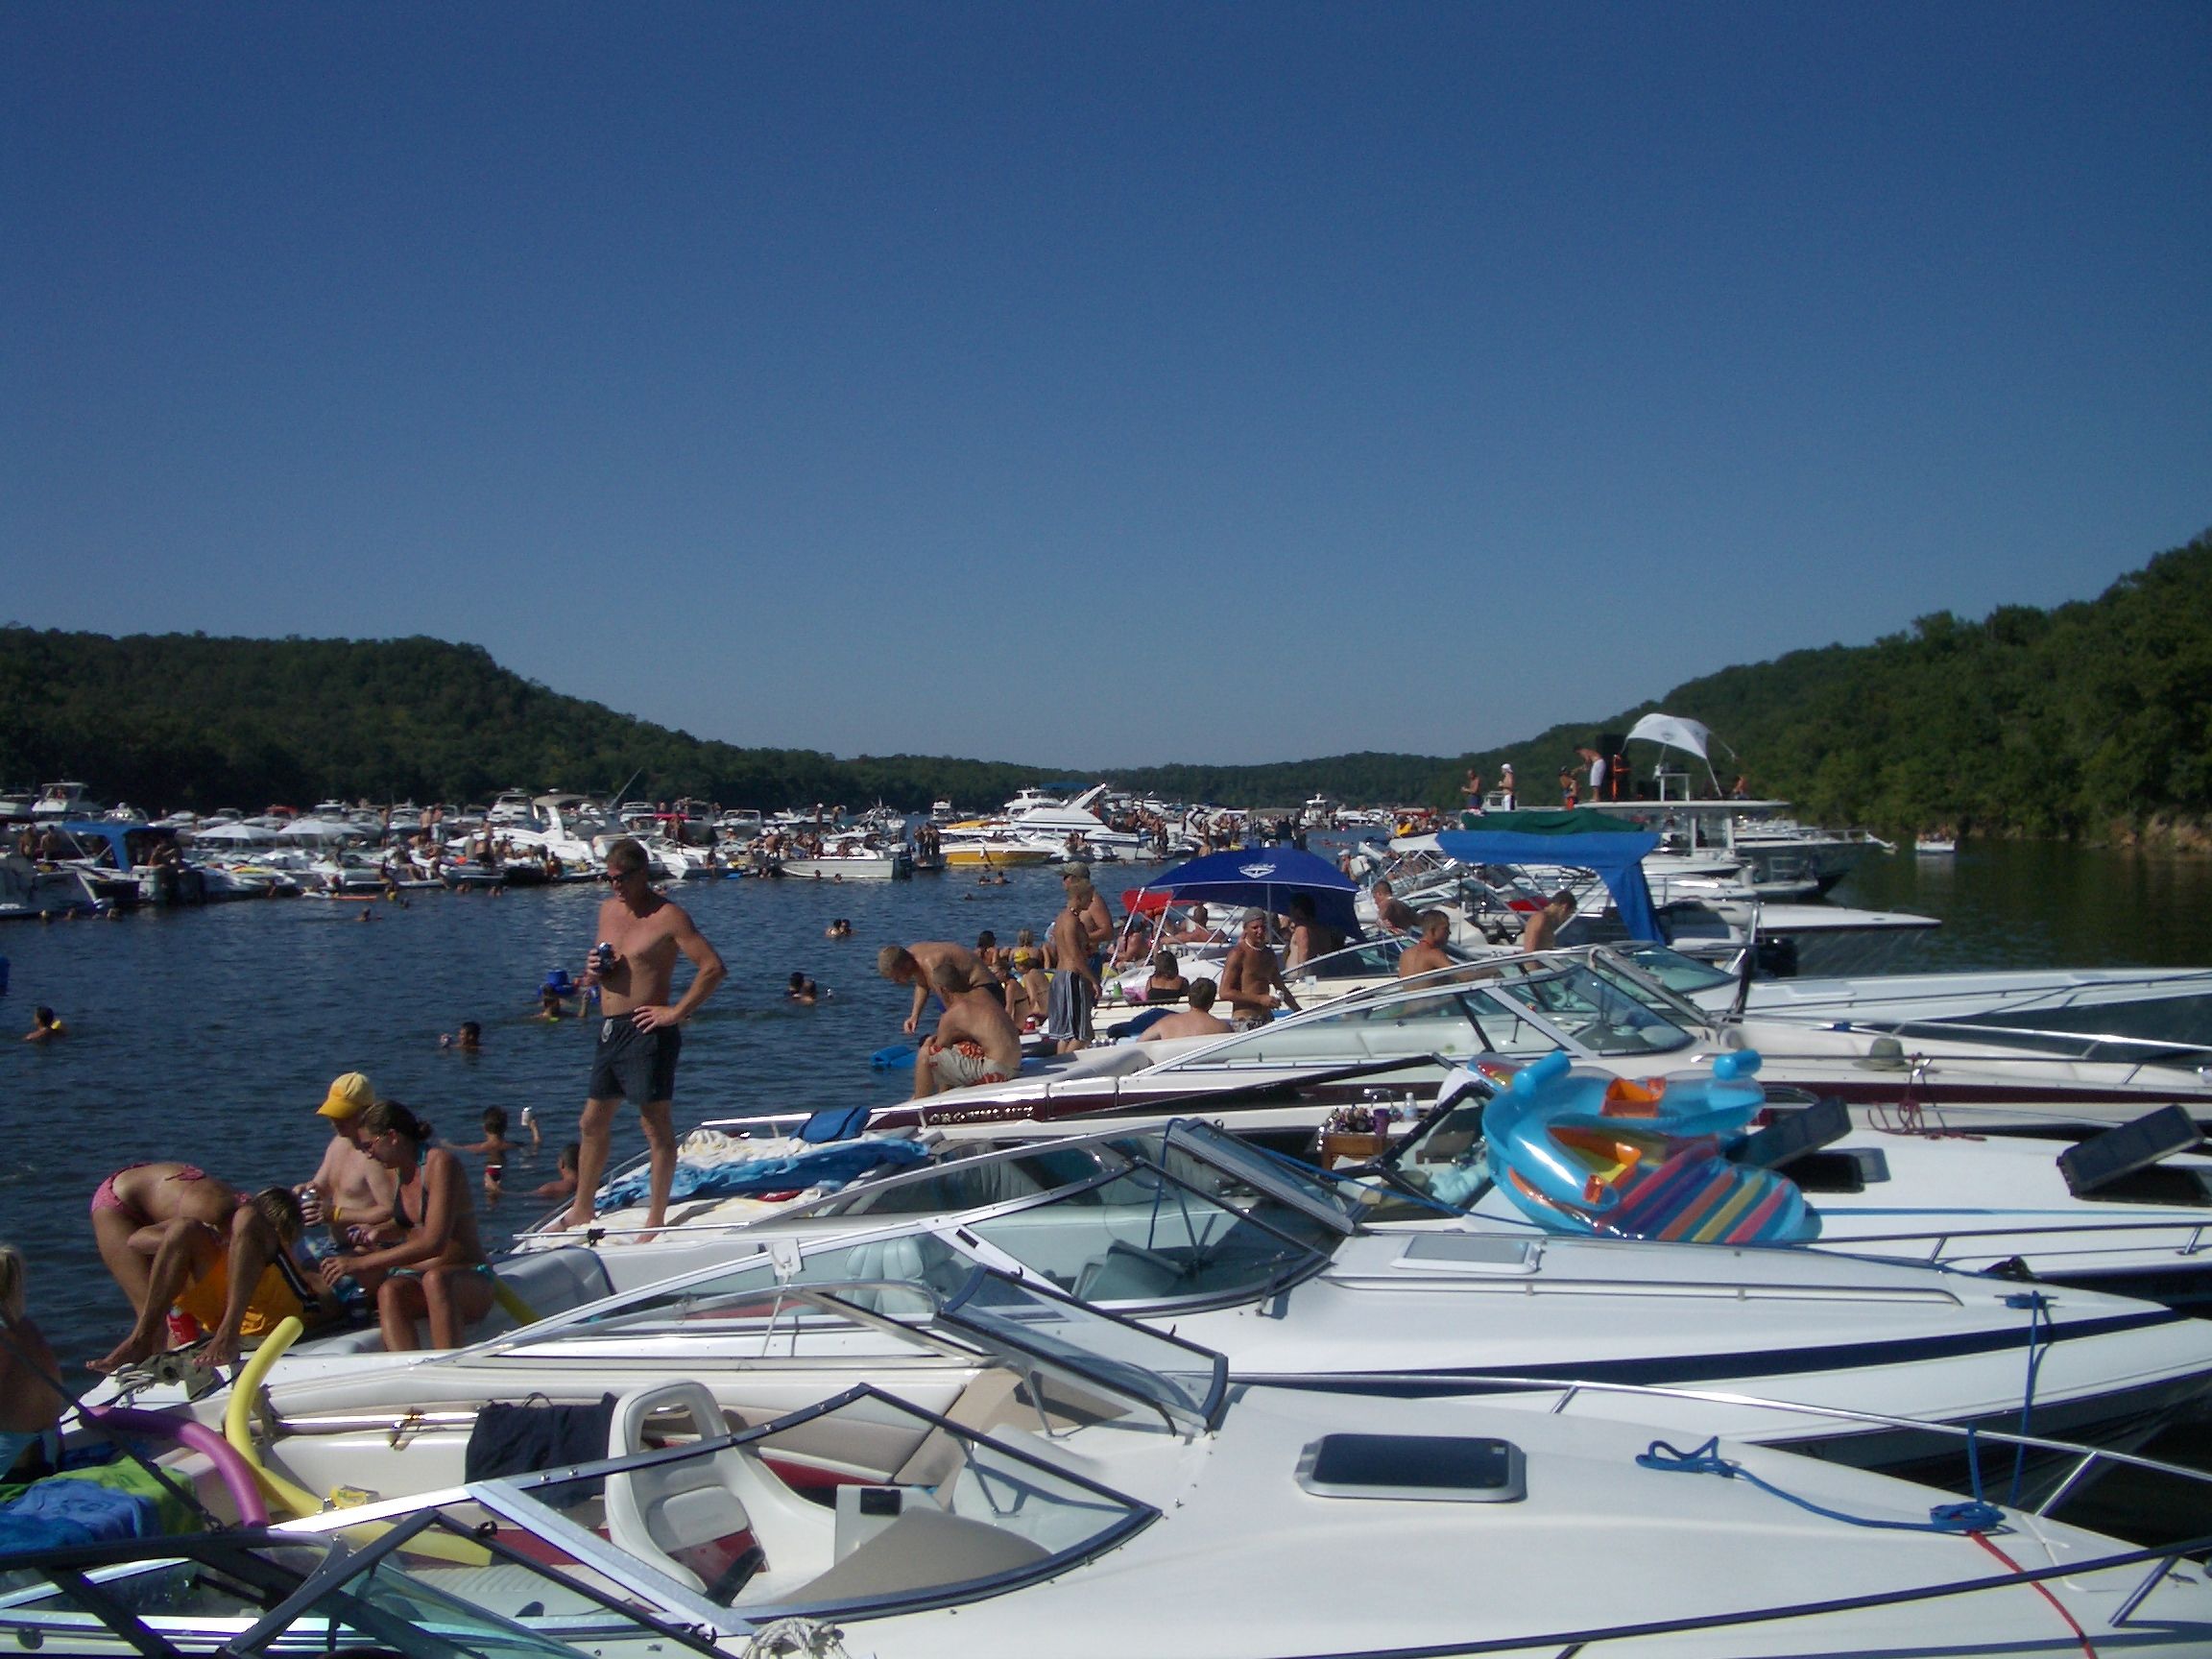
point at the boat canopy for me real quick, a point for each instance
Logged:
(1269, 878)
(1674, 732)
(1583, 838)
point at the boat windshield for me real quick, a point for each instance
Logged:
(1369, 959)
(435, 1592)
(1684, 975)
(1604, 1013)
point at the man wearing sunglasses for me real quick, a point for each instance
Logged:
(633, 965)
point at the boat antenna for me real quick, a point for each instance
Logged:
(616, 801)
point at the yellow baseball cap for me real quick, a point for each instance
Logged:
(348, 1095)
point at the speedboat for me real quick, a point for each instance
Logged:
(720, 1476)
(1597, 1007)
(1196, 1232)
(850, 858)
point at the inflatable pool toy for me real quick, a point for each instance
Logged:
(1588, 1152)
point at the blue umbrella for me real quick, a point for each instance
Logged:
(1267, 877)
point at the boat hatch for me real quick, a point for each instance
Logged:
(1436, 1468)
(1472, 1253)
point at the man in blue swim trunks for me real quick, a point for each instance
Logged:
(641, 935)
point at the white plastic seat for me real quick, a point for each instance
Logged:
(699, 1518)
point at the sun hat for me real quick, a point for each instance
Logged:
(348, 1095)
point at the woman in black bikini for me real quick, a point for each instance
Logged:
(438, 1271)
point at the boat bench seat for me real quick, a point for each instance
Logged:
(923, 1550)
(546, 1282)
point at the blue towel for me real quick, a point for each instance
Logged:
(56, 1513)
(830, 1167)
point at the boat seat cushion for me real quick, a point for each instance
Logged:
(923, 1550)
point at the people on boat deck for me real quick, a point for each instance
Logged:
(1251, 978)
(1029, 993)
(350, 1192)
(1427, 954)
(1097, 918)
(1166, 982)
(1075, 984)
(172, 1235)
(640, 1030)
(30, 1392)
(1392, 911)
(1542, 930)
(1567, 788)
(1505, 785)
(437, 1271)
(991, 960)
(1197, 1020)
(1197, 929)
(974, 1041)
(45, 1025)
(916, 964)
(1309, 936)
(1472, 790)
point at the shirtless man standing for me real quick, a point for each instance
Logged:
(1074, 990)
(1251, 978)
(974, 1041)
(916, 965)
(1427, 956)
(1542, 932)
(640, 934)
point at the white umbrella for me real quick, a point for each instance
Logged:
(317, 830)
(244, 835)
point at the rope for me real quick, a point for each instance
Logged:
(1970, 1517)
(2043, 1590)
(2039, 1307)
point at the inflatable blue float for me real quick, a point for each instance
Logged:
(1588, 1152)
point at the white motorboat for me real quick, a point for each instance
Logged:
(1595, 1007)
(850, 858)
(1193, 1231)
(1025, 1471)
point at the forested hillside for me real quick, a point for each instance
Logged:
(2094, 719)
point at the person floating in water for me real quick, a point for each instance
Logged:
(469, 1040)
(45, 1025)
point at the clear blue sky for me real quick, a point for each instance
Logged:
(1093, 385)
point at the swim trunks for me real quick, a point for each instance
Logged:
(961, 1061)
(1068, 1009)
(103, 1195)
(632, 1065)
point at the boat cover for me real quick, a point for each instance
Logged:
(830, 1167)
(1583, 838)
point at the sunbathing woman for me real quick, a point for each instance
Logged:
(438, 1271)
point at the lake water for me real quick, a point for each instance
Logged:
(210, 1035)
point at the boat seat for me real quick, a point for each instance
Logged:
(923, 1550)
(1127, 1273)
(697, 1519)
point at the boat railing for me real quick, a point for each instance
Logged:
(2081, 1462)
(1940, 1241)
(2041, 1042)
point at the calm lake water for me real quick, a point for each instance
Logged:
(210, 1035)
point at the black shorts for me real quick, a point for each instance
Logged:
(632, 1065)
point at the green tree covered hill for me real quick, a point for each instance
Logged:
(2094, 719)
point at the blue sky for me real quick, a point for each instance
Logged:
(1093, 385)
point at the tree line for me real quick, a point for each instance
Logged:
(2088, 720)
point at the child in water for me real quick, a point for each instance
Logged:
(494, 1147)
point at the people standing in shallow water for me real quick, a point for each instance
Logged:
(437, 1271)
(640, 1030)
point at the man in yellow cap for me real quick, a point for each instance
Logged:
(352, 1190)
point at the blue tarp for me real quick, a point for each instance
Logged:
(833, 1166)
(68, 1511)
(1581, 840)
(1267, 877)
